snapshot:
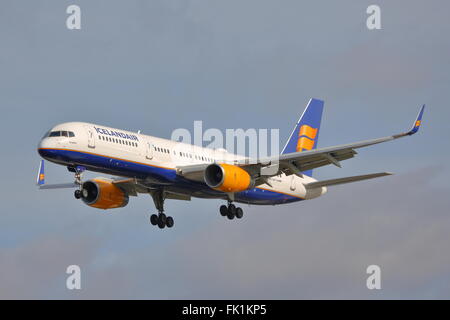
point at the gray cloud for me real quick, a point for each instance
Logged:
(316, 249)
(235, 64)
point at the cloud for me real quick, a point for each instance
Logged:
(36, 269)
(322, 248)
(233, 64)
(316, 249)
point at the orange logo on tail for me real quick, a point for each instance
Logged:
(307, 136)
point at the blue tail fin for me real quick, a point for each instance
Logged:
(306, 132)
(41, 174)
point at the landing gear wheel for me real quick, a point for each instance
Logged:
(77, 194)
(154, 219)
(239, 213)
(169, 222)
(162, 218)
(231, 211)
(223, 210)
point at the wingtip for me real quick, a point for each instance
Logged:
(418, 121)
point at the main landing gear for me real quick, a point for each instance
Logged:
(160, 220)
(231, 211)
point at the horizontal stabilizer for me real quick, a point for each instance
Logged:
(59, 186)
(333, 182)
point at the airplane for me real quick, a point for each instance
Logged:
(167, 169)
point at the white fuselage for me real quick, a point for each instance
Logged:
(156, 160)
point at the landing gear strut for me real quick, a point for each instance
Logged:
(78, 170)
(160, 220)
(231, 211)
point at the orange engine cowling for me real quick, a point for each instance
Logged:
(227, 178)
(103, 194)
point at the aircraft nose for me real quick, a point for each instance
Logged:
(43, 146)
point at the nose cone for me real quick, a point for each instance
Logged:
(44, 147)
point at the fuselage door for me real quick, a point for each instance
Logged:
(149, 151)
(91, 136)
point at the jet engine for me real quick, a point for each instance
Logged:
(227, 178)
(103, 194)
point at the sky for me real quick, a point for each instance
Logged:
(159, 65)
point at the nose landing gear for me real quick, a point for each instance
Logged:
(78, 170)
(231, 211)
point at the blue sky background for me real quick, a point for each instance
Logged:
(159, 65)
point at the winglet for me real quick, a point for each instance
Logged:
(417, 123)
(41, 174)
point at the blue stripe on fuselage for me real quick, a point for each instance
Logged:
(126, 168)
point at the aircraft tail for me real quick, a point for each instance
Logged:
(41, 174)
(306, 131)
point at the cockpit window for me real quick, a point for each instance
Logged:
(60, 134)
(55, 134)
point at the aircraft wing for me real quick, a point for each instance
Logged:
(297, 162)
